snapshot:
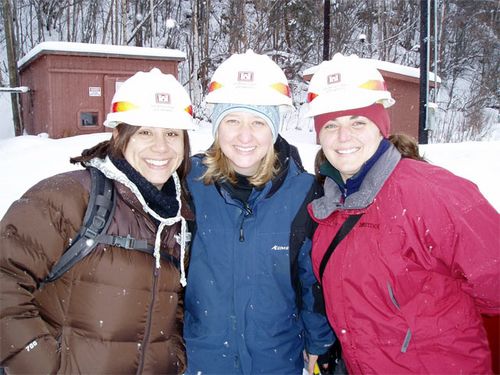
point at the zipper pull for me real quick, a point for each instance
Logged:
(248, 210)
(242, 236)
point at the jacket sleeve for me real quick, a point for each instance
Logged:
(319, 335)
(33, 234)
(477, 253)
(463, 233)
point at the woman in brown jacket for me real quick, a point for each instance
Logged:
(117, 310)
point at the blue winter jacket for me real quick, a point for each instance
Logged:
(251, 292)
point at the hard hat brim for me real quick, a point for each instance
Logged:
(348, 99)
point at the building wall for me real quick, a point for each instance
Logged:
(404, 114)
(36, 104)
(72, 94)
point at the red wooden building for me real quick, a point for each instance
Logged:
(72, 84)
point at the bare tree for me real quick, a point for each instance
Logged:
(290, 31)
(12, 59)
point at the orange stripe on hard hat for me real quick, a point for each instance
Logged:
(214, 86)
(282, 89)
(189, 110)
(374, 85)
(122, 107)
(311, 96)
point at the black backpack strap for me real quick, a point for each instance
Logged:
(342, 232)
(130, 243)
(100, 209)
(302, 227)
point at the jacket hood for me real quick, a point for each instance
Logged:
(107, 167)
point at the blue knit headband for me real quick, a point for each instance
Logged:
(269, 113)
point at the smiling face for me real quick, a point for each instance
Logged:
(155, 153)
(348, 142)
(245, 139)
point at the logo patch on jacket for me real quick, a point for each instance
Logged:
(279, 248)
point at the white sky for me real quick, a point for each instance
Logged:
(26, 160)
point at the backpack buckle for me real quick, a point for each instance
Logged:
(124, 242)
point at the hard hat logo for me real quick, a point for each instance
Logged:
(162, 98)
(333, 78)
(245, 76)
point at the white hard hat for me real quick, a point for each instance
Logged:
(249, 78)
(346, 82)
(151, 99)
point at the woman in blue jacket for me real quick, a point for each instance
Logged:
(251, 303)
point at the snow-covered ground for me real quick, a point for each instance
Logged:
(26, 160)
(6, 124)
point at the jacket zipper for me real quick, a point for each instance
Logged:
(247, 211)
(148, 322)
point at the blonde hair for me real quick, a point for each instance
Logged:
(219, 167)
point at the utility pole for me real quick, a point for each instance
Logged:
(424, 68)
(326, 30)
(12, 63)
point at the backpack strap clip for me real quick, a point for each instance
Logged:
(124, 242)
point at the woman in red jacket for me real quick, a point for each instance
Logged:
(405, 288)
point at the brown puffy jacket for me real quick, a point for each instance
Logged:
(113, 312)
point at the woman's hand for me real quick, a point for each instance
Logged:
(311, 361)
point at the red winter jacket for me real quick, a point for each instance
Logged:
(404, 290)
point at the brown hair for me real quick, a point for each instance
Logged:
(318, 160)
(117, 144)
(219, 168)
(406, 145)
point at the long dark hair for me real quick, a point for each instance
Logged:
(318, 161)
(117, 144)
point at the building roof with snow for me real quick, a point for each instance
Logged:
(387, 69)
(103, 50)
